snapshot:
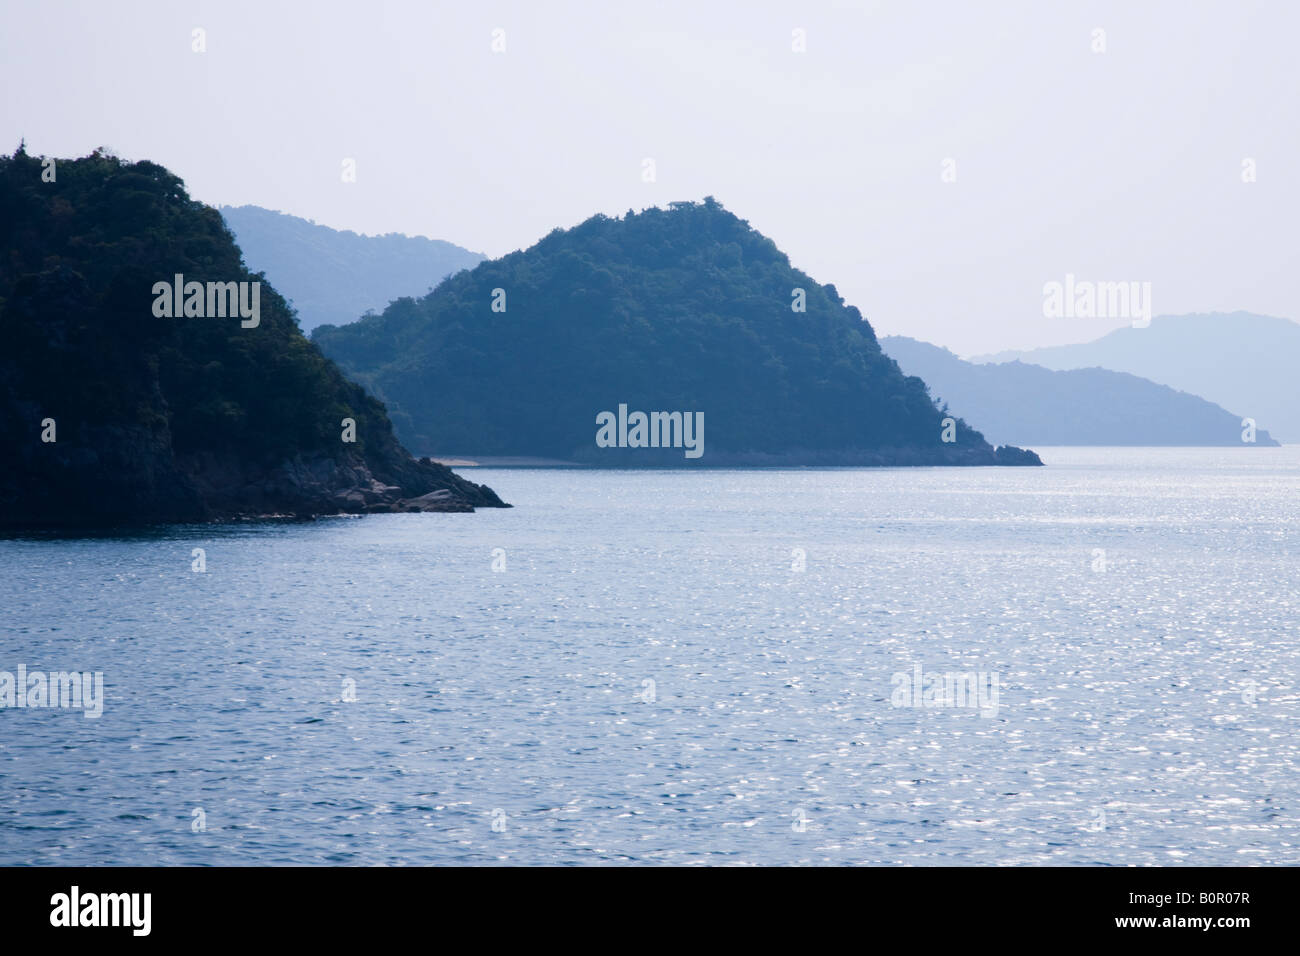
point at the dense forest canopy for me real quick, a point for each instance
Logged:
(137, 398)
(686, 308)
(81, 255)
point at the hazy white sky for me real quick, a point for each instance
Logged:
(1122, 165)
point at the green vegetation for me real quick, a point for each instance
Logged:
(81, 256)
(145, 405)
(686, 308)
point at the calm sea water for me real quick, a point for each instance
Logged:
(649, 679)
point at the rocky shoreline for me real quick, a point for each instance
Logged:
(970, 455)
(116, 476)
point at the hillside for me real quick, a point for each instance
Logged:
(686, 309)
(112, 413)
(1015, 402)
(1241, 361)
(333, 276)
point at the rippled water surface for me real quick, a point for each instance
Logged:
(649, 679)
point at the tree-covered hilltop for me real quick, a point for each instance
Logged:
(167, 419)
(683, 309)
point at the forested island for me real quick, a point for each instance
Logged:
(112, 412)
(686, 309)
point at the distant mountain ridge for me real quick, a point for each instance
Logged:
(335, 276)
(1028, 404)
(1241, 361)
(686, 309)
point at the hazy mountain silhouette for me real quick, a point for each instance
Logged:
(1029, 404)
(684, 309)
(1241, 361)
(333, 276)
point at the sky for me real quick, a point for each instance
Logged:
(939, 162)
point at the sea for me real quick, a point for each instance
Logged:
(1090, 663)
